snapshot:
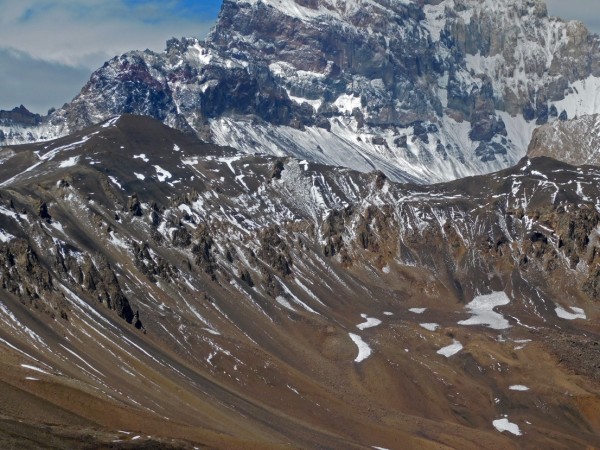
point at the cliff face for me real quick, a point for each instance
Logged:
(424, 91)
(575, 141)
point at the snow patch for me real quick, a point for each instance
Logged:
(35, 369)
(111, 122)
(584, 98)
(518, 387)
(141, 156)
(435, 20)
(5, 236)
(370, 322)
(229, 162)
(57, 226)
(577, 313)
(430, 326)
(55, 151)
(162, 173)
(114, 180)
(364, 351)
(451, 349)
(283, 302)
(504, 425)
(316, 104)
(118, 241)
(69, 162)
(346, 103)
(482, 308)
(417, 310)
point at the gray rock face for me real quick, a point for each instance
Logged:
(20, 115)
(575, 141)
(16, 122)
(343, 83)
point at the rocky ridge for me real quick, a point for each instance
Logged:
(189, 291)
(424, 91)
(575, 141)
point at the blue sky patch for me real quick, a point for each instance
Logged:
(204, 10)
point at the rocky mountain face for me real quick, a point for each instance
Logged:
(576, 141)
(16, 122)
(165, 293)
(425, 91)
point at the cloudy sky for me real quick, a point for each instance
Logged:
(48, 48)
(585, 10)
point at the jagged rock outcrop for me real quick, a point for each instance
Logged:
(43, 211)
(20, 115)
(275, 252)
(202, 249)
(22, 272)
(575, 141)
(100, 279)
(134, 206)
(152, 265)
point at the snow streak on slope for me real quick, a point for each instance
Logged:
(226, 291)
(424, 93)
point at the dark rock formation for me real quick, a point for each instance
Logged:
(100, 279)
(134, 206)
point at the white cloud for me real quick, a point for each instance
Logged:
(48, 48)
(88, 32)
(36, 83)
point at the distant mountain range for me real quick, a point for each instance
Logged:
(424, 91)
(242, 243)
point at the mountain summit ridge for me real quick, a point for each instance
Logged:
(425, 91)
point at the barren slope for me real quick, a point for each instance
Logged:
(284, 304)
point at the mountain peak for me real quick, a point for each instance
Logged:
(424, 91)
(20, 115)
(312, 9)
